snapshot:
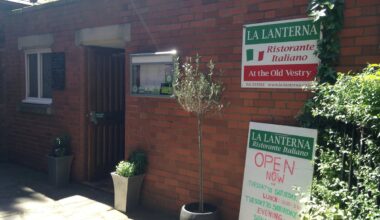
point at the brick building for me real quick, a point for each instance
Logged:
(97, 34)
(5, 8)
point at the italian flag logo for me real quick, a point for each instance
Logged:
(253, 55)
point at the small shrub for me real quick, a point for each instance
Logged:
(61, 146)
(135, 165)
(139, 159)
(339, 111)
(126, 169)
(353, 99)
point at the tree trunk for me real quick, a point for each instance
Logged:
(200, 150)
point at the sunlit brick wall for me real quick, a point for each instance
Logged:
(212, 28)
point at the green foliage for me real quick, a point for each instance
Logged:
(196, 91)
(332, 198)
(354, 99)
(139, 159)
(61, 146)
(330, 14)
(352, 103)
(135, 165)
(126, 169)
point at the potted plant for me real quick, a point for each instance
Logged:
(59, 161)
(127, 181)
(199, 93)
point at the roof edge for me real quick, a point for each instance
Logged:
(19, 2)
(35, 7)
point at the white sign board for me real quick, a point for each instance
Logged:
(280, 54)
(277, 159)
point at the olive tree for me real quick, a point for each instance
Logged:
(199, 93)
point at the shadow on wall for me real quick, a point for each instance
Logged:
(3, 150)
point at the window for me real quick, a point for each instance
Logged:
(38, 79)
(152, 74)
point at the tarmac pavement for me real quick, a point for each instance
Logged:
(25, 194)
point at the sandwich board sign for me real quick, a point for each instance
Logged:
(280, 54)
(278, 159)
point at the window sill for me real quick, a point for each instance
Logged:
(35, 108)
(43, 101)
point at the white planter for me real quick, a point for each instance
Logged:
(126, 191)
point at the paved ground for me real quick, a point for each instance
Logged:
(26, 195)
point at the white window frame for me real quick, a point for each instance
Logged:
(39, 99)
(164, 57)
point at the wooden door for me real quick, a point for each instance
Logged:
(105, 104)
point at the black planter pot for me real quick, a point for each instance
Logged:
(190, 212)
(59, 170)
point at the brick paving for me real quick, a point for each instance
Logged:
(25, 194)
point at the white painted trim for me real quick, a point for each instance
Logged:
(173, 52)
(26, 74)
(39, 75)
(277, 22)
(38, 101)
(35, 41)
(21, 2)
(40, 50)
(160, 58)
(113, 36)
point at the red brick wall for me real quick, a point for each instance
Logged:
(31, 135)
(215, 30)
(360, 38)
(212, 28)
